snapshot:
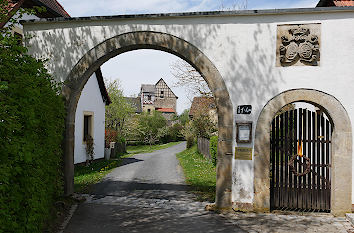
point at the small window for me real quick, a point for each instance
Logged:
(87, 126)
(149, 97)
(161, 94)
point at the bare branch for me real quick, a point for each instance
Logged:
(189, 78)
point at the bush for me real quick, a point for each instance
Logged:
(149, 127)
(188, 134)
(175, 132)
(213, 144)
(190, 141)
(171, 134)
(31, 129)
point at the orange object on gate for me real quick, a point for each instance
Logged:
(299, 149)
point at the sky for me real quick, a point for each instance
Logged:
(148, 66)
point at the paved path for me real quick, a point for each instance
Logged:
(148, 194)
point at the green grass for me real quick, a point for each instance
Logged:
(200, 174)
(84, 176)
(132, 150)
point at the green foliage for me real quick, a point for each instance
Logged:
(184, 117)
(200, 173)
(188, 134)
(31, 128)
(213, 149)
(203, 126)
(171, 134)
(150, 126)
(119, 111)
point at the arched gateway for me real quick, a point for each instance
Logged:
(112, 47)
(341, 150)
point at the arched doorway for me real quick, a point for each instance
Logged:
(341, 148)
(112, 47)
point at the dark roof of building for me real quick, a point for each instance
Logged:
(202, 103)
(150, 88)
(135, 102)
(102, 87)
(53, 9)
(329, 3)
(166, 110)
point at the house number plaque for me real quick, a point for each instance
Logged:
(244, 109)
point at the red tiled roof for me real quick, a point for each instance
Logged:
(344, 3)
(328, 3)
(169, 110)
(202, 104)
(55, 6)
(54, 9)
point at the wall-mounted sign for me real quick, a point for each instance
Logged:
(243, 153)
(244, 132)
(244, 109)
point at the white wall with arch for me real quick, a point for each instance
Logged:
(242, 46)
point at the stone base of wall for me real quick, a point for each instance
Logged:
(242, 207)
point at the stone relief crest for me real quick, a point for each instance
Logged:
(299, 44)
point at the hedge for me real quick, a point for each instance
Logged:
(213, 144)
(31, 130)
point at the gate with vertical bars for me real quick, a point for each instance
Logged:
(300, 161)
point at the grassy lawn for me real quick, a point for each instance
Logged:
(84, 176)
(200, 173)
(132, 150)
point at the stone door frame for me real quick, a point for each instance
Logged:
(341, 172)
(119, 44)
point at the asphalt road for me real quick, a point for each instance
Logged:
(147, 194)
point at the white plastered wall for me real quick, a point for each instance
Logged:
(90, 101)
(243, 49)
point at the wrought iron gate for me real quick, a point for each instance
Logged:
(300, 182)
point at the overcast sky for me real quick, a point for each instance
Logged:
(148, 66)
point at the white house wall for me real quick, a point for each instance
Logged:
(90, 101)
(242, 47)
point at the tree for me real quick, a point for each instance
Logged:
(151, 127)
(203, 126)
(119, 111)
(187, 76)
(184, 117)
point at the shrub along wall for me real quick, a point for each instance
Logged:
(31, 130)
(213, 149)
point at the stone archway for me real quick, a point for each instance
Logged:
(341, 148)
(119, 44)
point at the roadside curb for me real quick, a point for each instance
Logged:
(67, 219)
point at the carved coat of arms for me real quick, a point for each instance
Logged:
(300, 45)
